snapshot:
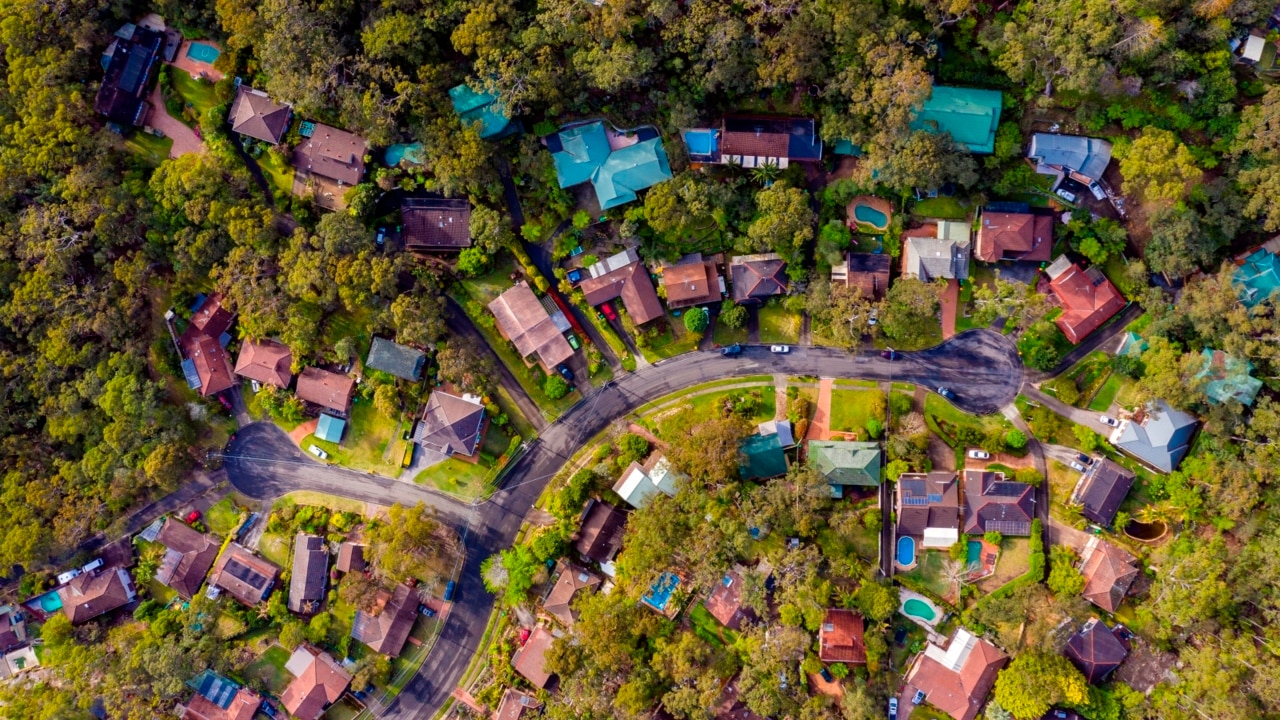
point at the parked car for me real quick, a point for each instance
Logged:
(780, 349)
(565, 372)
(575, 276)
(889, 354)
(919, 698)
(193, 517)
(826, 675)
(893, 708)
(730, 351)
(426, 611)
(1097, 190)
(1084, 458)
(607, 309)
(979, 454)
(1108, 420)
(1076, 466)
(946, 392)
(1066, 195)
(381, 237)
(574, 342)
(448, 591)
(318, 452)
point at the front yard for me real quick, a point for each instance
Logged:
(153, 150)
(850, 409)
(672, 341)
(469, 480)
(223, 517)
(372, 442)
(778, 325)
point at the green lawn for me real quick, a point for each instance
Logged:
(154, 150)
(279, 173)
(649, 407)
(708, 628)
(223, 517)
(1014, 560)
(346, 323)
(270, 669)
(161, 592)
(850, 409)
(767, 397)
(319, 499)
(457, 477)
(946, 208)
(778, 325)
(675, 341)
(344, 709)
(1107, 393)
(943, 413)
(275, 548)
(929, 572)
(928, 712)
(725, 335)
(365, 442)
(197, 93)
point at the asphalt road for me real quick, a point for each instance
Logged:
(981, 366)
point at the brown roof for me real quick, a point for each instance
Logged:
(268, 362)
(840, 639)
(188, 556)
(730, 705)
(387, 631)
(757, 277)
(869, 273)
(326, 389)
(450, 424)
(724, 602)
(211, 362)
(258, 116)
(319, 686)
(332, 153)
(244, 704)
(436, 222)
(245, 576)
(758, 144)
(91, 594)
(993, 503)
(310, 572)
(530, 660)
(515, 704)
(1096, 650)
(633, 284)
(1103, 488)
(572, 579)
(958, 691)
(1108, 572)
(927, 501)
(11, 633)
(600, 535)
(691, 282)
(525, 322)
(211, 318)
(350, 558)
(1014, 236)
(1088, 300)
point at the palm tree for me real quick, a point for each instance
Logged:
(765, 174)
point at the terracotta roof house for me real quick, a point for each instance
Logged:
(211, 317)
(969, 115)
(1096, 650)
(1013, 236)
(530, 660)
(957, 680)
(245, 576)
(756, 141)
(206, 365)
(1108, 572)
(395, 359)
(319, 681)
(1101, 490)
(188, 556)
(255, 114)
(692, 281)
(134, 55)
(571, 581)
(310, 573)
(1157, 435)
(436, 224)
(326, 389)
(1257, 278)
(846, 463)
(451, 425)
(840, 639)
(91, 594)
(1227, 378)
(929, 508)
(527, 324)
(1085, 157)
(600, 532)
(13, 627)
(516, 705)
(993, 503)
(268, 362)
(350, 558)
(331, 153)
(218, 698)
(866, 271)
(629, 281)
(756, 278)
(724, 602)
(387, 631)
(640, 483)
(937, 249)
(730, 705)
(1088, 298)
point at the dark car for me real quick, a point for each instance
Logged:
(826, 675)
(734, 349)
(565, 372)
(448, 591)
(426, 611)
(1084, 458)
(889, 354)
(946, 392)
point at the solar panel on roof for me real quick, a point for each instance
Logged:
(246, 575)
(935, 498)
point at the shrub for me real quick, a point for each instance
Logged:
(874, 428)
(1028, 475)
(994, 537)
(696, 320)
(900, 404)
(1015, 439)
(555, 387)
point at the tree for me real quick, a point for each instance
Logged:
(1035, 681)
(732, 315)
(1038, 346)
(1015, 439)
(467, 365)
(783, 224)
(696, 320)
(910, 311)
(1257, 146)
(1064, 579)
(293, 634)
(1059, 43)
(875, 601)
(708, 448)
(409, 544)
(920, 159)
(833, 240)
(841, 311)
(555, 386)
(1157, 167)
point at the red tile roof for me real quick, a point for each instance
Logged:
(840, 639)
(319, 686)
(268, 362)
(691, 283)
(572, 580)
(527, 324)
(530, 660)
(757, 277)
(331, 153)
(633, 285)
(94, 593)
(436, 223)
(324, 388)
(387, 631)
(1108, 572)
(244, 704)
(188, 556)
(958, 691)
(515, 704)
(245, 576)
(724, 602)
(1014, 236)
(1088, 300)
(201, 345)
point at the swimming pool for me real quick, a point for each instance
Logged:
(410, 153)
(50, 602)
(906, 551)
(871, 216)
(920, 609)
(702, 142)
(660, 592)
(202, 52)
(975, 552)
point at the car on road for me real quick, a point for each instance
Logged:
(893, 708)
(1108, 421)
(1076, 466)
(889, 354)
(448, 591)
(946, 392)
(565, 372)
(318, 452)
(979, 454)
(1084, 458)
(780, 349)
(608, 311)
(1066, 195)
(730, 351)
(919, 697)
(193, 517)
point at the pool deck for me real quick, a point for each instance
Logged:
(904, 595)
(873, 202)
(182, 61)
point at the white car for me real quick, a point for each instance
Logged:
(979, 454)
(1066, 195)
(1108, 421)
(893, 708)
(1076, 466)
(318, 452)
(781, 349)
(1097, 191)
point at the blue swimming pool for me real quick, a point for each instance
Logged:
(202, 52)
(906, 551)
(50, 602)
(702, 142)
(975, 552)
(660, 592)
(410, 153)
(871, 216)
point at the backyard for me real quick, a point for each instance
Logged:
(708, 628)
(778, 325)
(198, 94)
(152, 149)
(851, 409)
(278, 172)
(1014, 560)
(947, 208)
(270, 669)
(371, 443)
(931, 573)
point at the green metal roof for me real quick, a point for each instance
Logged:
(762, 457)
(847, 463)
(1227, 378)
(1258, 278)
(1133, 345)
(630, 170)
(970, 115)
(330, 428)
(583, 150)
(395, 359)
(480, 107)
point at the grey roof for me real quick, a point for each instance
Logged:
(310, 569)
(1159, 436)
(451, 424)
(932, 258)
(1102, 489)
(846, 463)
(993, 503)
(395, 359)
(927, 501)
(1085, 155)
(1096, 650)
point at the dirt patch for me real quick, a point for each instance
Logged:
(830, 689)
(298, 434)
(1145, 667)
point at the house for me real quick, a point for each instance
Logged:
(992, 503)
(435, 224)
(937, 249)
(1227, 378)
(600, 532)
(969, 115)
(534, 331)
(1087, 297)
(243, 575)
(256, 115)
(451, 425)
(754, 141)
(724, 602)
(267, 362)
(1101, 490)
(1013, 236)
(1258, 278)
(1253, 47)
(1157, 435)
(957, 679)
(516, 705)
(530, 660)
(206, 365)
(319, 681)
(350, 558)
(219, 698)
(330, 428)
(730, 705)
(326, 389)
(188, 556)
(122, 97)
(310, 573)
(93, 593)
(1108, 572)
(756, 278)
(846, 463)
(1085, 159)
(640, 483)
(618, 166)
(13, 627)
(762, 456)
(623, 276)
(395, 359)
(386, 629)
(332, 154)
(1096, 650)
(571, 581)
(866, 271)
(929, 508)
(840, 639)
(692, 281)
(477, 106)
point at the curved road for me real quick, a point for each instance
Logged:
(981, 366)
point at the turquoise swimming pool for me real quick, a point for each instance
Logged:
(202, 52)
(661, 590)
(906, 551)
(50, 602)
(920, 609)
(974, 552)
(871, 216)
(701, 142)
(409, 153)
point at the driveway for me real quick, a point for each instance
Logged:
(1087, 418)
(949, 298)
(184, 138)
